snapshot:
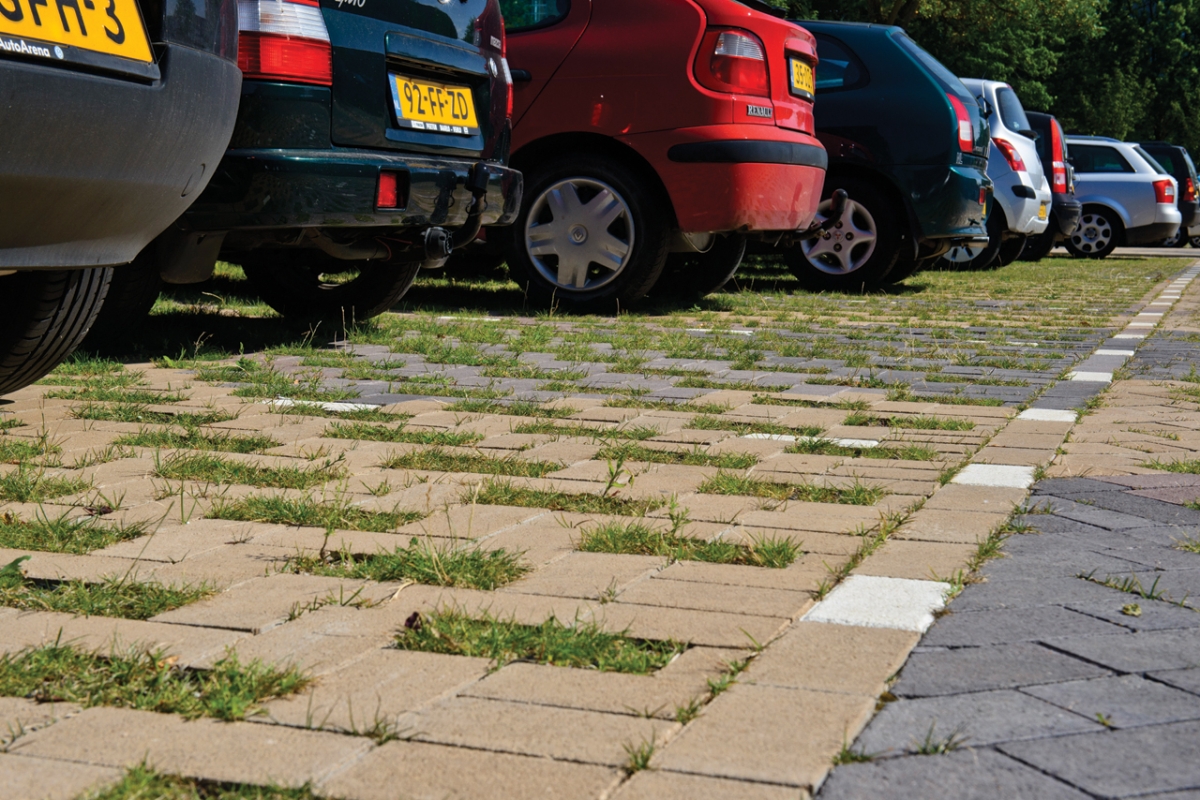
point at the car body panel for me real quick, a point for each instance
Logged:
(1065, 209)
(1129, 193)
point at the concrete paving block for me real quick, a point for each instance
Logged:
(832, 658)
(710, 628)
(802, 575)
(1186, 679)
(1126, 701)
(1158, 758)
(663, 785)
(922, 561)
(880, 602)
(966, 526)
(995, 475)
(587, 575)
(998, 626)
(960, 497)
(717, 597)
(963, 775)
(436, 772)
(978, 669)
(1143, 651)
(26, 778)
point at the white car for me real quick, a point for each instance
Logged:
(1022, 193)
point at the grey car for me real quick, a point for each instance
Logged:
(1127, 196)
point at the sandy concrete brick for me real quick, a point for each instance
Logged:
(802, 575)
(822, 517)
(26, 778)
(917, 560)
(964, 527)
(828, 544)
(771, 734)
(956, 497)
(469, 521)
(179, 542)
(539, 542)
(435, 772)
(19, 715)
(717, 508)
(711, 628)
(1013, 456)
(565, 452)
(587, 575)
(1011, 437)
(528, 609)
(663, 785)
(240, 752)
(832, 658)
(66, 566)
(718, 597)
(225, 566)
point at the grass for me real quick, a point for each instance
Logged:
(1189, 545)
(108, 598)
(259, 379)
(106, 394)
(637, 433)
(307, 512)
(1133, 585)
(856, 495)
(195, 439)
(422, 562)
(146, 681)
(15, 451)
(438, 460)
(581, 645)
(710, 423)
(910, 423)
(143, 783)
(496, 493)
(140, 412)
(824, 447)
(639, 539)
(63, 535)
(1186, 467)
(516, 409)
(205, 468)
(30, 484)
(629, 451)
(303, 409)
(381, 433)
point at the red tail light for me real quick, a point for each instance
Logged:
(732, 61)
(1164, 191)
(966, 131)
(1189, 190)
(1058, 160)
(284, 40)
(388, 195)
(1015, 162)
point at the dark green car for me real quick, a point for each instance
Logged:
(371, 141)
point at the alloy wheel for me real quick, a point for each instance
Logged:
(1093, 234)
(848, 245)
(579, 234)
(965, 253)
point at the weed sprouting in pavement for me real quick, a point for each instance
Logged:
(422, 562)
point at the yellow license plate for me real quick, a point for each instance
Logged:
(802, 78)
(1042, 211)
(436, 107)
(43, 27)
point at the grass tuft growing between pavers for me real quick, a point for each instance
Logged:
(336, 515)
(205, 468)
(140, 412)
(16, 451)
(858, 494)
(910, 423)
(109, 394)
(639, 539)
(825, 447)
(62, 535)
(112, 597)
(195, 439)
(143, 783)
(381, 433)
(1185, 467)
(30, 484)
(260, 379)
(629, 451)
(515, 409)
(423, 562)
(498, 493)
(145, 681)
(710, 423)
(637, 433)
(438, 460)
(582, 644)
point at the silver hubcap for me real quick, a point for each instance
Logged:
(962, 253)
(1093, 234)
(579, 234)
(846, 246)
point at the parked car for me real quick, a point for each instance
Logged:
(1065, 209)
(1023, 196)
(649, 159)
(115, 115)
(1128, 198)
(371, 140)
(907, 142)
(1176, 161)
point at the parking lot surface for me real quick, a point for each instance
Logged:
(691, 551)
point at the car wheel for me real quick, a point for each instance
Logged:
(590, 234)
(1176, 239)
(906, 269)
(132, 292)
(1097, 235)
(1195, 240)
(304, 284)
(1038, 246)
(856, 254)
(1010, 250)
(49, 313)
(980, 256)
(695, 275)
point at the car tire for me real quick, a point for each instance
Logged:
(293, 283)
(827, 264)
(1010, 250)
(1097, 235)
(1195, 240)
(906, 269)
(132, 292)
(49, 314)
(696, 275)
(1039, 245)
(590, 235)
(979, 257)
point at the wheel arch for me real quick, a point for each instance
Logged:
(1113, 209)
(911, 232)
(1106, 204)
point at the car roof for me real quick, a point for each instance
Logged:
(1083, 138)
(829, 23)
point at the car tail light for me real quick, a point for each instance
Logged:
(732, 61)
(1189, 190)
(284, 40)
(1015, 162)
(1058, 160)
(966, 131)
(388, 195)
(1164, 191)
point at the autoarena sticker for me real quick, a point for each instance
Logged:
(21, 47)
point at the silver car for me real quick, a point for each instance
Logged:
(1128, 198)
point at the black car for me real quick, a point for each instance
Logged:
(1065, 210)
(115, 117)
(371, 141)
(907, 142)
(1176, 160)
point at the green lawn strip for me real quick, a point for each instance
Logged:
(517, 409)
(422, 562)
(382, 433)
(206, 468)
(639, 539)
(582, 644)
(30, 484)
(143, 783)
(195, 439)
(262, 380)
(912, 423)
(146, 681)
(62, 535)
(109, 598)
(310, 513)
(99, 394)
(139, 412)
(497, 493)
(710, 423)
(825, 447)
(628, 451)
(636, 433)
(438, 460)
(857, 495)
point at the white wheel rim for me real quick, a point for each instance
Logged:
(963, 253)
(848, 245)
(579, 234)
(1093, 234)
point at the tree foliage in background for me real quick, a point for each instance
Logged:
(1123, 68)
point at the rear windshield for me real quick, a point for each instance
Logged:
(1154, 165)
(945, 78)
(1098, 158)
(837, 67)
(1191, 167)
(519, 14)
(1011, 112)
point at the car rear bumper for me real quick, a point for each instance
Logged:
(93, 167)
(1187, 209)
(737, 177)
(294, 188)
(1066, 211)
(944, 201)
(1150, 234)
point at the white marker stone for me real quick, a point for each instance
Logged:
(996, 475)
(1130, 336)
(1123, 353)
(336, 408)
(1047, 415)
(1090, 377)
(874, 602)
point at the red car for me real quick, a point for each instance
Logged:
(655, 135)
